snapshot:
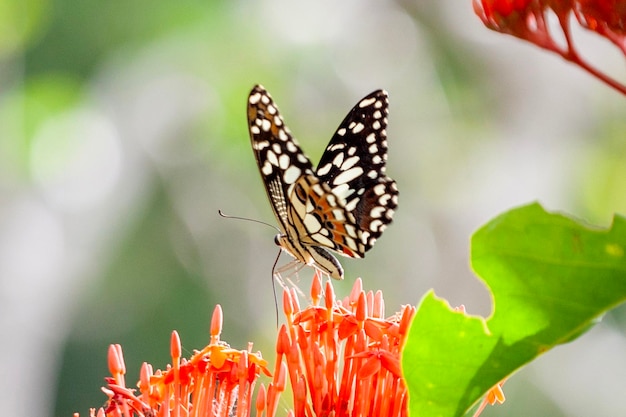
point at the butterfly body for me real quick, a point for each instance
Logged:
(345, 203)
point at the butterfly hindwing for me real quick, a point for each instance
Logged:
(324, 219)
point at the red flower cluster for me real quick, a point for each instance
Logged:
(607, 17)
(342, 358)
(216, 381)
(527, 19)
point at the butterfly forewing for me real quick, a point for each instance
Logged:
(278, 155)
(353, 166)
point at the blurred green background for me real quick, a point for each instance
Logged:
(123, 131)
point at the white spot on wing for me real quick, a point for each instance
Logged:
(261, 145)
(254, 98)
(358, 128)
(338, 160)
(377, 212)
(336, 146)
(317, 189)
(271, 158)
(338, 215)
(352, 205)
(350, 162)
(323, 240)
(324, 170)
(379, 189)
(312, 224)
(350, 243)
(367, 102)
(283, 161)
(348, 175)
(342, 191)
(376, 225)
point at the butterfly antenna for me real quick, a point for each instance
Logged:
(227, 216)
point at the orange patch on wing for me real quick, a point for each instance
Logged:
(347, 251)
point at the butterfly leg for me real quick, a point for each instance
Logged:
(285, 273)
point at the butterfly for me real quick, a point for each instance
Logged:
(344, 204)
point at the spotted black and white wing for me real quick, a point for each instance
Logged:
(353, 166)
(277, 153)
(346, 203)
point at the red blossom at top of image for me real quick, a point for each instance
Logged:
(528, 20)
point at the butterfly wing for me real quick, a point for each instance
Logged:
(347, 202)
(353, 168)
(277, 153)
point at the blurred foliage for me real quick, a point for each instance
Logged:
(21, 23)
(23, 111)
(143, 295)
(79, 34)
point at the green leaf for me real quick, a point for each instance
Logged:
(550, 276)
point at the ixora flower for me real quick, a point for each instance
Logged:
(529, 20)
(341, 357)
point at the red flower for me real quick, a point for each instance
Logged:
(496, 9)
(603, 15)
(342, 358)
(527, 20)
(216, 381)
